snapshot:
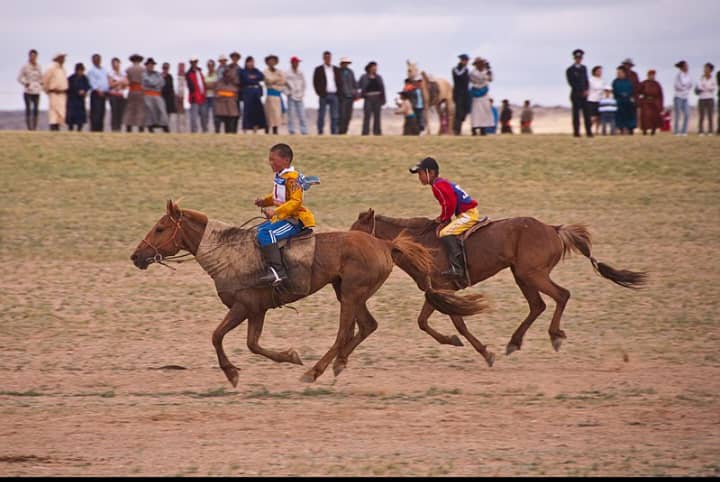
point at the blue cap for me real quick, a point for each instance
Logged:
(464, 57)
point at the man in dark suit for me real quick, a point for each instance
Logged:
(461, 92)
(577, 77)
(328, 87)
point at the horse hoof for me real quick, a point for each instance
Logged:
(455, 341)
(233, 377)
(511, 348)
(556, 342)
(490, 359)
(295, 358)
(338, 368)
(308, 377)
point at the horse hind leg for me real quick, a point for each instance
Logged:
(561, 297)
(537, 306)
(366, 325)
(425, 312)
(255, 327)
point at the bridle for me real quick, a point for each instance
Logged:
(158, 256)
(374, 224)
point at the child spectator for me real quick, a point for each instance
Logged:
(505, 117)
(607, 108)
(410, 127)
(526, 118)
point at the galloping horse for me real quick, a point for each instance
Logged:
(355, 263)
(530, 248)
(443, 97)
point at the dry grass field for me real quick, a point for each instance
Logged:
(84, 335)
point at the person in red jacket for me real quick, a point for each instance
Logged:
(453, 201)
(197, 92)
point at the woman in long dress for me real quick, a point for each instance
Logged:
(275, 83)
(481, 115)
(78, 87)
(650, 95)
(254, 113)
(625, 117)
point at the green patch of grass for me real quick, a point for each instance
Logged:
(27, 393)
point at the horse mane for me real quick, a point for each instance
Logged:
(233, 233)
(416, 226)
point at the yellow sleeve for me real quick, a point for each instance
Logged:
(294, 199)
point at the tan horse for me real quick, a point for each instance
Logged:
(355, 263)
(530, 248)
(443, 99)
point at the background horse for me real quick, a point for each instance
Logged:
(530, 248)
(354, 263)
(443, 98)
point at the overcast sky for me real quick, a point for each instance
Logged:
(528, 43)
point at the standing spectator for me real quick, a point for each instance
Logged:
(706, 88)
(118, 84)
(55, 84)
(225, 108)
(577, 78)
(326, 81)
(496, 118)
(595, 93)
(274, 83)
(526, 118)
(372, 89)
(635, 80)
(100, 86)
(481, 115)
(210, 80)
(405, 108)
(717, 81)
(78, 87)
(153, 83)
(253, 113)
(349, 89)
(683, 85)
(295, 81)
(505, 118)
(461, 92)
(607, 109)
(197, 96)
(168, 92)
(625, 117)
(181, 122)
(650, 100)
(134, 114)
(235, 67)
(30, 77)
(418, 102)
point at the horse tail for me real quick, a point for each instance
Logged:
(405, 250)
(576, 237)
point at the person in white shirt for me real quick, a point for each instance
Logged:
(295, 91)
(30, 77)
(683, 86)
(595, 93)
(706, 88)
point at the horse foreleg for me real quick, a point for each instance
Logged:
(255, 327)
(463, 329)
(537, 306)
(235, 316)
(425, 313)
(344, 335)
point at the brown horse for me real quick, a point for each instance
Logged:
(354, 263)
(530, 248)
(442, 101)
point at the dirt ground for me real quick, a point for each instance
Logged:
(109, 370)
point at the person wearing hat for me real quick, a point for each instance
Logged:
(453, 202)
(461, 92)
(626, 115)
(55, 84)
(577, 78)
(274, 83)
(372, 90)
(482, 118)
(155, 111)
(295, 89)
(706, 88)
(349, 89)
(633, 76)
(650, 102)
(234, 65)
(197, 92)
(327, 84)
(118, 84)
(683, 85)
(134, 114)
(30, 77)
(78, 88)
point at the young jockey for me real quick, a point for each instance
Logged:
(285, 211)
(453, 200)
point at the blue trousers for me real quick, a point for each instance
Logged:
(270, 233)
(332, 102)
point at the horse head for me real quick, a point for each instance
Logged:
(412, 69)
(364, 221)
(164, 238)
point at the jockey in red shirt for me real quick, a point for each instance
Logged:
(453, 201)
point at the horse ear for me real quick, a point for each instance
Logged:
(169, 206)
(172, 209)
(371, 212)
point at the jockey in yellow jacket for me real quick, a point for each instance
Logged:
(285, 212)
